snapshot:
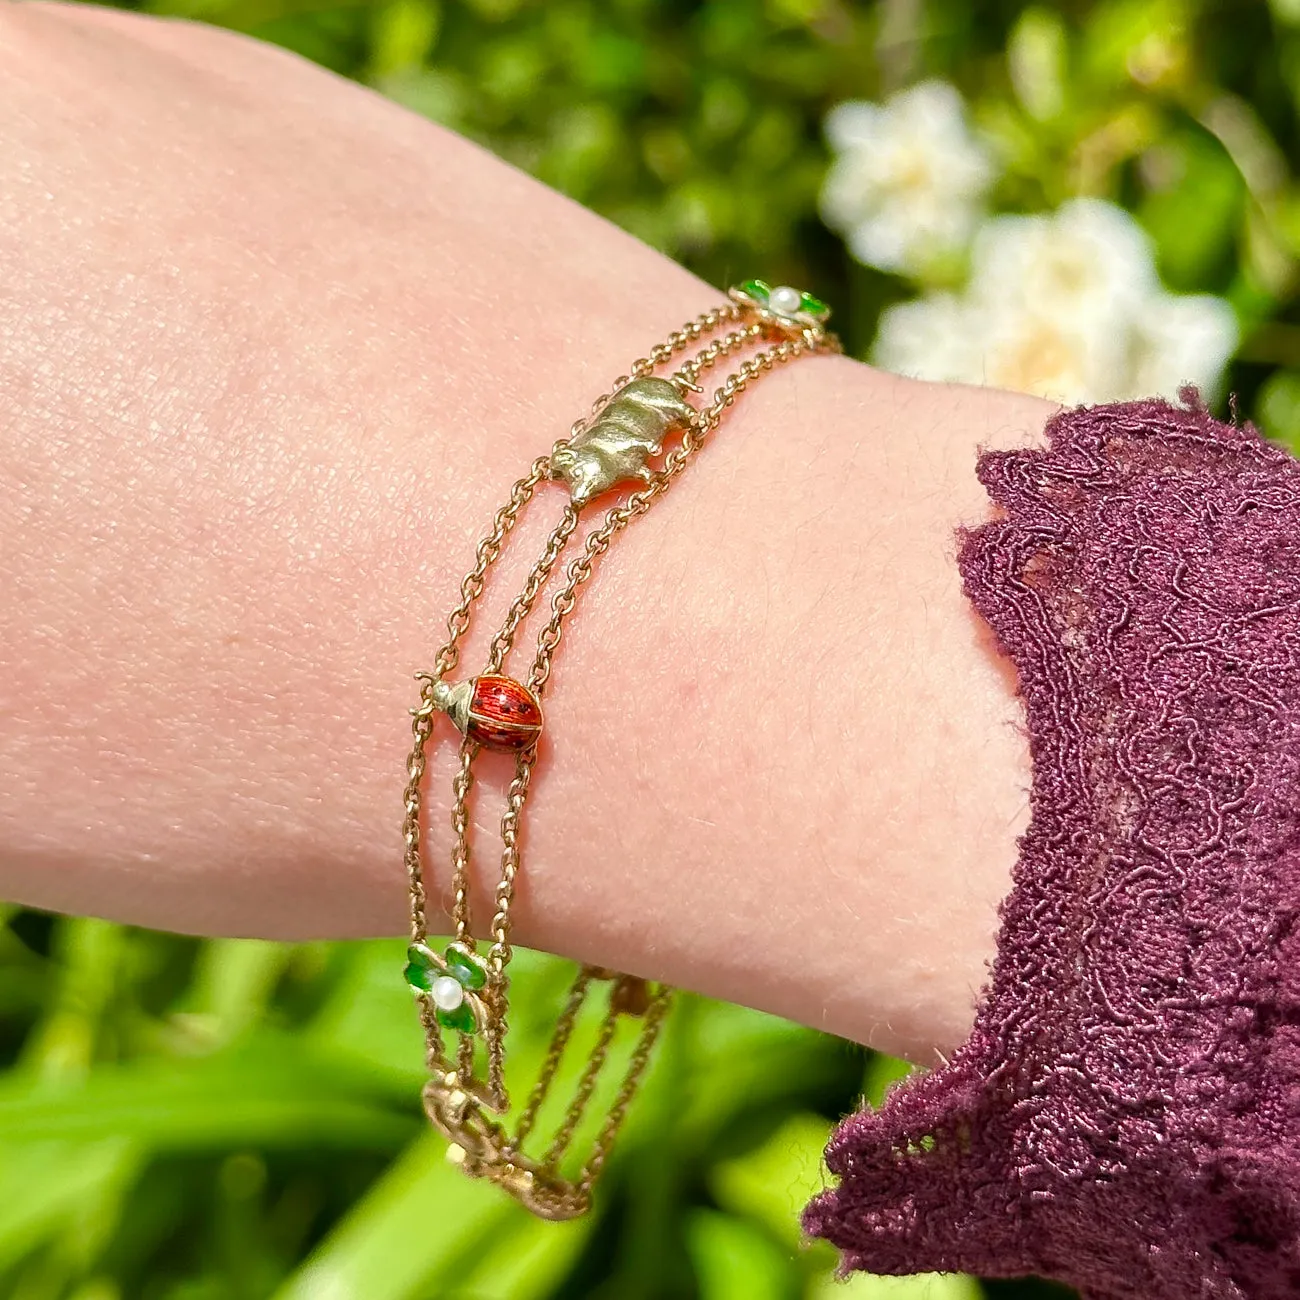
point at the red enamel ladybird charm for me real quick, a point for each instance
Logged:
(494, 711)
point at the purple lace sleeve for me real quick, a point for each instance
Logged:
(1125, 1116)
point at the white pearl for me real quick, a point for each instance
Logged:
(447, 993)
(785, 300)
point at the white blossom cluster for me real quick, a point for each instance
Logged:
(909, 179)
(1066, 305)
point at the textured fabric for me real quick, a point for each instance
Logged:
(1125, 1116)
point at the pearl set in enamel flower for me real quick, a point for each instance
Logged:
(446, 993)
(784, 300)
(789, 306)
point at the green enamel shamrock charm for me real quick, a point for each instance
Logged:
(451, 983)
(789, 306)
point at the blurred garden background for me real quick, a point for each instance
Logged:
(1087, 201)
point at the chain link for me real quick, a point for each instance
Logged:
(654, 1019)
(555, 1050)
(582, 1095)
(454, 1100)
(660, 355)
(489, 548)
(690, 370)
(518, 611)
(500, 952)
(421, 727)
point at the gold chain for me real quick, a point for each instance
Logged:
(461, 991)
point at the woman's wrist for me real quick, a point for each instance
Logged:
(784, 767)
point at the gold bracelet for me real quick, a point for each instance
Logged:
(458, 990)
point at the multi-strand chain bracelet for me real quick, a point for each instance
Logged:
(462, 993)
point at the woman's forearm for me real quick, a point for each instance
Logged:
(272, 352)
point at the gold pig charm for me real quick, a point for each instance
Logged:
(618, 442)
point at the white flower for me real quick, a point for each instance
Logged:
(909, 179)
(1088, 257)
(1052, 356)
(1180, 340)
(1067, 306)
(969, 342)
(931, 336)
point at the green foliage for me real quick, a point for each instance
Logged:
(185, 1120)
(226, 1120)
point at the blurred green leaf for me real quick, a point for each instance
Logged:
(402, 35)
(91, 954)
(773, 1184)
(231, 987)
(370, 1017)
(271, 1091)
(735, 1260)
(1037, 56)
(422, 1218)
(1142, 41)
(528, 1260)
(1279, 408)
(49, 1187)
(1190, 172)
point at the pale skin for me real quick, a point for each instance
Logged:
(272, 352)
